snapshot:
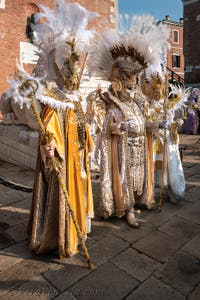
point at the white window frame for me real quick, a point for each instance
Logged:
(177, 36)
(27, 53)
(2, 4)
(176, 54)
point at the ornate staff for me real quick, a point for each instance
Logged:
(53, 164)
(164, 145)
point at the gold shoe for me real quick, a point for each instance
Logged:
(131, 220)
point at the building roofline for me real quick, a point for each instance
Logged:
(186, 2)
(170, 22)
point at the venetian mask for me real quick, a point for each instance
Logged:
(154, 87)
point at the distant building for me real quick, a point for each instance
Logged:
(175, 57)
(191, 46)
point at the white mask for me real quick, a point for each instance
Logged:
(130, 92)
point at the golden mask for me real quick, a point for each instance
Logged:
(153, 88)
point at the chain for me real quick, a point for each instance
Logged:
(15, 186)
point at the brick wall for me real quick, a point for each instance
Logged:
(176, 47)
(13, 20)
(192, 41)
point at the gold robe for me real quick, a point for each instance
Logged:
(50, 224)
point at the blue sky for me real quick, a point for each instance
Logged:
(158, 8)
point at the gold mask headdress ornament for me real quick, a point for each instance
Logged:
(153, 79)
(154, 86)
(61, 38)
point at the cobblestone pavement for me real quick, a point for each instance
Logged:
(161, 260)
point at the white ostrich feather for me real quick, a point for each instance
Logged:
(143, 34)
(182, 92)
(67, 22)
(22, 96)
(157, 35)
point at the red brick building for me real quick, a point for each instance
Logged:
(175, 57)
(14, 44)
(191, 14)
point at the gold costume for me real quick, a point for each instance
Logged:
(50, 224)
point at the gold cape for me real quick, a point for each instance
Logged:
(50, 224)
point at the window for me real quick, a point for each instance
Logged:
(2, 3)
(28, 53)
(175, 35)
(176, 61)
(29, 29)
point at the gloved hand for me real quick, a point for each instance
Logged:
(163, 124)
(48, 150)
(123, 126)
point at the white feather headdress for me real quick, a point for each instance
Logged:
(157, 33)
(179, 95)
(61, 37)
(140, 45)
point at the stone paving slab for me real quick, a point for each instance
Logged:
(18, 232)
(7, 196)
(194, 180)
(193, 194)
(188, 139)
(35, 289)
(169, 210)
(66, 296)
(106, 249)
(195, 295)
(187, 164)
(191, 157)
(188, 173)
(5, 240)
(132, 235)
(3, 226)
(192, 213)
(24, 204)
(23, 176)
(67, 272)
(13, 216)
(14, 254)
(136, 264)
(158, 245)
(107, 282)
(154, 289)
(181, 229)
(102, 228)
(182, 272)
(193, 247)
(24, 271)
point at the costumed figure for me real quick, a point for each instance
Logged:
(153, 85)
(60, 39)
(168, 166)
(175, 117)
(191, 124)
(119, 57)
